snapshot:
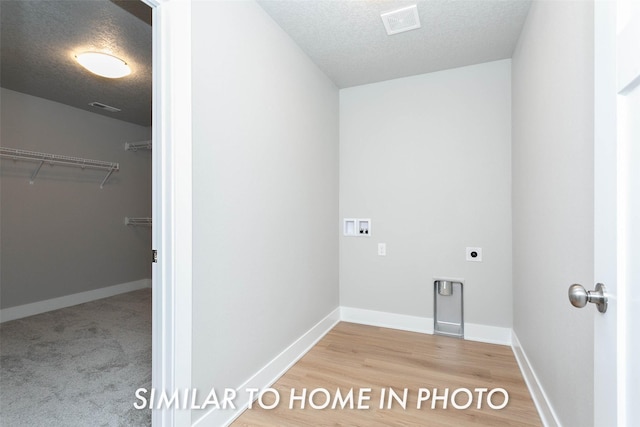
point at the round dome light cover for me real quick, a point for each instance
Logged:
(103, 64)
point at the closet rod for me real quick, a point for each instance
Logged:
(138, 221)
(56, 159)
(135, 146)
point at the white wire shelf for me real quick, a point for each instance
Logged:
(135, 146)
(56, 159)
(138, 221)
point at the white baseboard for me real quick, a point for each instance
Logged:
(382, 319)
(472, 331)
(271, 372)
(39, 307)
(545, 410)
(488, 334)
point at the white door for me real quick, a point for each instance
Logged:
(628, 103)
(617, 212)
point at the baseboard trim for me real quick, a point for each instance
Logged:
(271, 372)
(424, 325)
(383, 319)
(540, 399)
(488, 334)
(20, 311)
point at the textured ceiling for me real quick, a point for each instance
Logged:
(38, 40)
(347, 39)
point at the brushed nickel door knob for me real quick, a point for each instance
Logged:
(579, 296)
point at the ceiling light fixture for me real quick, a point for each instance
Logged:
(103, 64)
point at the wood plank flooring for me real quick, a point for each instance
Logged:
(360, 357)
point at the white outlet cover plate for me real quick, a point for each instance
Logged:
(471, 251)
(382, 249)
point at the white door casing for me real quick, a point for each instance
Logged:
(171, 205)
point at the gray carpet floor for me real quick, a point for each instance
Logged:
(78, 366)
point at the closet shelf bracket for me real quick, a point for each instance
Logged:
(35, 173)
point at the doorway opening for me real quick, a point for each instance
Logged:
(71, 254)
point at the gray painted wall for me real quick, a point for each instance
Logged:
(265, 192)
(427, 158)
(63, 234)
(553, 201)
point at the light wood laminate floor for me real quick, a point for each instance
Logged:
(360, 357)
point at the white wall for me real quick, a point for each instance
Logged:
(64, 235)
(553, 201)
(265, 191)
(427, 158)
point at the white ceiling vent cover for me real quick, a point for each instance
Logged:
(398, 21)
(105, 107)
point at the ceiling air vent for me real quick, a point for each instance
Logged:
(105, 107)
(398, 21)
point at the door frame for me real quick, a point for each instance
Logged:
(171, 204)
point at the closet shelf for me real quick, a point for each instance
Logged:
(56, 159)
(138, 221)
(135, 146)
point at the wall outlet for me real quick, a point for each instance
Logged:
(474, 254)
(382, 249)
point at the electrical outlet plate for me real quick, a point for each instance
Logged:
(474, 254)
(382, 249)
